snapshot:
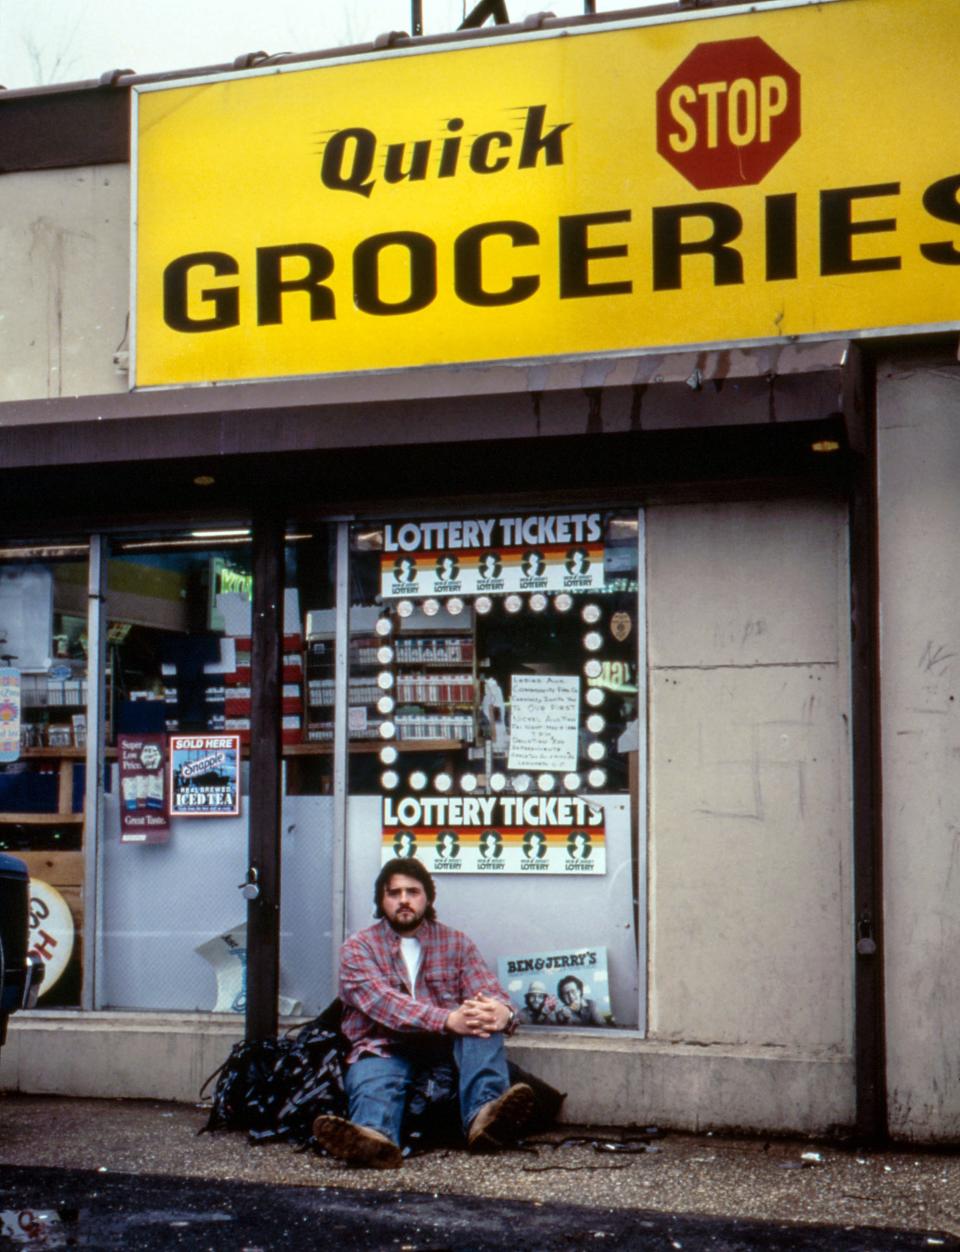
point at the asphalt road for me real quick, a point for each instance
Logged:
(95, 1173)
(61, 1208)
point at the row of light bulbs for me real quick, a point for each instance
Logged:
(497, 782)
(513, 603)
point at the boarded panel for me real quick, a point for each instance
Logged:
(750, 864)
(750, 831)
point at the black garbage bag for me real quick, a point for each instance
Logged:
(546, 1099)
(432, 1119)
(275, 1088)
(433, 1110)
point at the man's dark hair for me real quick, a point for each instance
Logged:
(413, 868)
(569, 978)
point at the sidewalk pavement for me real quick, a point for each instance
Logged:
(773, 1180)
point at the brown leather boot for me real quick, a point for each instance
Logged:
(501, 1121)
(356, 1145)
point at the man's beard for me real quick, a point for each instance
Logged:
(405, 923)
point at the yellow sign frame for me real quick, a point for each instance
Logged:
(504, 200)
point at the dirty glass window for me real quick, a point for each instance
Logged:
(308, 940)
(495, 734)
(177, 727)
(44, 690)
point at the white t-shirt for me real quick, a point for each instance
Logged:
(410, 948)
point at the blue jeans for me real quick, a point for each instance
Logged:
(378, 1086)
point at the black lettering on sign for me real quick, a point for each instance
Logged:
(669, 248)
(837, 229)
(271, 284)
(350, 155)
(576, 253)
(468, 264)
(940, 201)
(481, 161)
(348, 161)
(224, 301)
(781, 215)
(422, 260)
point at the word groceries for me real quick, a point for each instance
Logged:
(300, 280)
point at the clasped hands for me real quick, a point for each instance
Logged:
(482, 1016)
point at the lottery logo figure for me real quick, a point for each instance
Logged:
(534, 845)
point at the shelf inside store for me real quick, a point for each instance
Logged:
(53, 754)
(374, 745)
(65, 754)
(39, 819)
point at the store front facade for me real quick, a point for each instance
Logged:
(592, 633)
(635, 779)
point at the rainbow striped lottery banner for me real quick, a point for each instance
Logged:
(492, 555)
(496, 834)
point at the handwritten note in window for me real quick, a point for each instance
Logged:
(544, 719)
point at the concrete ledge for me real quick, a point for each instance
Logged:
(628, 1081)
(134, 1055)
(617, 1079)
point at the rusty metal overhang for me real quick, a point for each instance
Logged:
(694, 368)
(667, 417)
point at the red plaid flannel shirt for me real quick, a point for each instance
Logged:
(375, 990)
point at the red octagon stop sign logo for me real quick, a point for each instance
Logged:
(728, 113)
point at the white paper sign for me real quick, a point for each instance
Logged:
(544, 721)
(227, 953)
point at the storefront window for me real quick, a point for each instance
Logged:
(308, 939)
(43, 745)
(178, 637)
(495, 733)
(482, 676)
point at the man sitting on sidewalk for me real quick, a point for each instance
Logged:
(414, 993)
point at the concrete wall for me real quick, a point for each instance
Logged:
(750, 824)
(64, 237)
(919, 484)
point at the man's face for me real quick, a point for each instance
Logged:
(535, 1000)
(404, 903)
(570, 995)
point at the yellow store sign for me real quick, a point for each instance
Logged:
(711, 179)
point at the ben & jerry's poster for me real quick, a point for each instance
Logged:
(565, 987)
